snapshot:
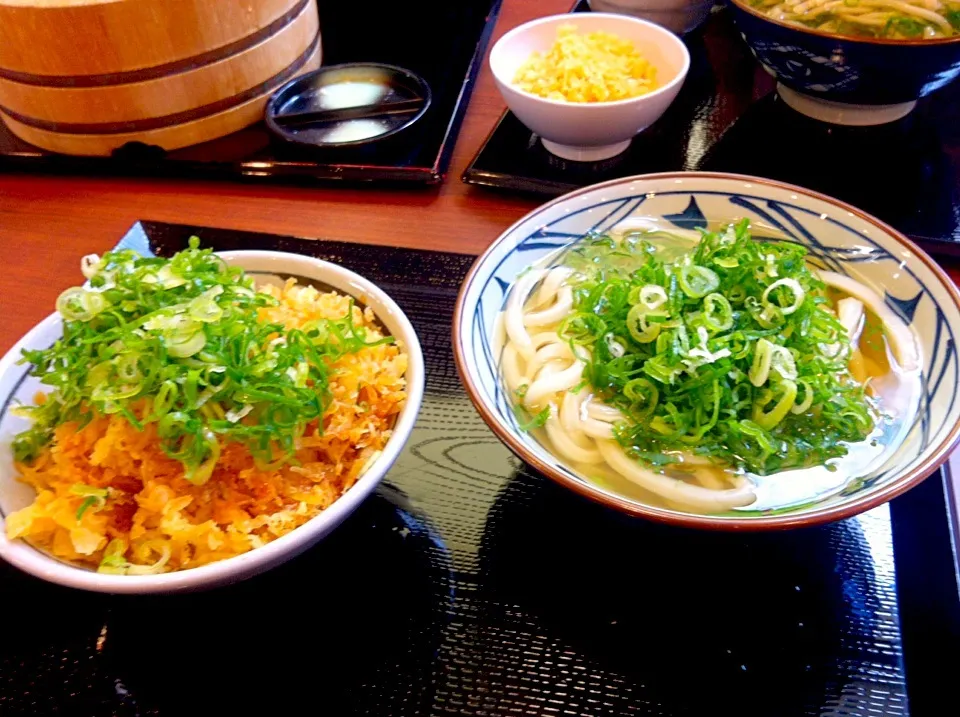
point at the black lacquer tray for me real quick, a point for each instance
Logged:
(372, 31)
(470, 584)
(728, 117)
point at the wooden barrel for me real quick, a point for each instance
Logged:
(88, 76)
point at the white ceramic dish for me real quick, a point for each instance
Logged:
(837, 235)
(591, 131)
(14, 384)
(679, 16)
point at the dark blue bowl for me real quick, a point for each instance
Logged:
(846, 69)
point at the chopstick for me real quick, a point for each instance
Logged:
(349, 113)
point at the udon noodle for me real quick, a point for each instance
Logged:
(545, 373)
(889, 19)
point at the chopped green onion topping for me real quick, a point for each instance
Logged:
(736, 355)
(784, 395)
(717, 312)
(178, 343)
(641, 327)
(807, 401)
(793, 288)
(113, 562)
(93, 497)
(527, 422)
(651, 296)
(697, 281)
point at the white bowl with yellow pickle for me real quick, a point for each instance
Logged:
(183, 423)
(586, 83)
(714, 351)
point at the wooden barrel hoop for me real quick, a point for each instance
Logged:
(190, 115)
(185, 64)
(88, 76)
(190, 88)
(104, 37)
(169, 138)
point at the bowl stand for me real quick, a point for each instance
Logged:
(843, 113)
(586, 154)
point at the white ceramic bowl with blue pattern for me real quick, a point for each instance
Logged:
(838, 237)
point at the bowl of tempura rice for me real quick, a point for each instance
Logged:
(714, 351)
(187, 422)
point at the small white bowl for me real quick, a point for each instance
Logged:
(15, 384)
(589, 131)
(680, 16)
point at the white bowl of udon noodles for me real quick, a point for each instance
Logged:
(537, 387)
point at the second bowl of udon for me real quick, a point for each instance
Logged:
(854, 62)
(714, 351)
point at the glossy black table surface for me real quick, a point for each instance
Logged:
(472, 585)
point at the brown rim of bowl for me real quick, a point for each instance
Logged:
(848, 38)
(818, 517)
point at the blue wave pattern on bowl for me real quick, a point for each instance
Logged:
(846, 69)
(909, 291)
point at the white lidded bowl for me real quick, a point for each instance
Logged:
(15, 385)
(679, 16)
(838, 236)
(589, 131)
